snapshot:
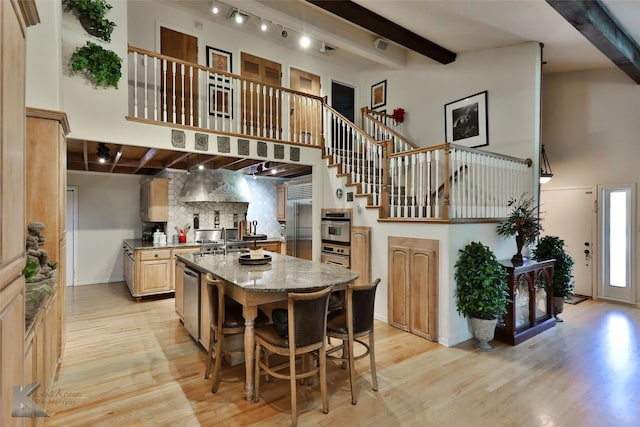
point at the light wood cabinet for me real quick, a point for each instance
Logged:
(281, 207)
(46, 191)
(361, 253)
(15, 17)
(154, 200)
(273, 246)
(41, 354)
(413, 285)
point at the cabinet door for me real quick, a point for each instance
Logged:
(361, 253)
(11, 346)
(281, 208)
(155, 276)
(398, 298)
(50, 343)
(422, 295)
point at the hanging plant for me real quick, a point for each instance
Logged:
(91, 14)
(103, 65)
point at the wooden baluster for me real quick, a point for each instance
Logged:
(191, 99)
(135, 84)
(182, 112)
(155, 88)
(164, 91)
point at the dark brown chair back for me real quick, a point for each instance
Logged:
(363, 299)
(308, 317)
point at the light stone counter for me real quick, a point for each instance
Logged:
(283, 274)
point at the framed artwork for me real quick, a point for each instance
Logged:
(219, 60)
(467, 121)
(379, 95)
(220, 101)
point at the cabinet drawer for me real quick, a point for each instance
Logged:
(147, 255)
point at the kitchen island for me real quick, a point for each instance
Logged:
(253, 285)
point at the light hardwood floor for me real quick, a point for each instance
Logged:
(133, 364)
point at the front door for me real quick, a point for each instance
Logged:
(306, 117)
(180, 90)
(260, 107)
(570, 214)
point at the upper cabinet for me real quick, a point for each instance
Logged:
(281, 211)
(154, 200)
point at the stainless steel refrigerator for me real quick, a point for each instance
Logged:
(299, 229)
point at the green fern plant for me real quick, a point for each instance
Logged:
(91, 14)
(103, 65)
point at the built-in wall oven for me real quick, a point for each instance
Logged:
(336, 226)
(336, 237)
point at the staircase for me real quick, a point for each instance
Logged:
(442, 183)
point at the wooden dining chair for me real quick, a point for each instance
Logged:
(351, 323)
(307, 322)
(226, 319)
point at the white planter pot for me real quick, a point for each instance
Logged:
(484, 331)
(558, 306)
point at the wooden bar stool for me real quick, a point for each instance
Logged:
(353, 322)
(307, 323)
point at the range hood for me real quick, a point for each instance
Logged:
(215, 186)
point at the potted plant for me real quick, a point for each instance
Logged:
(103, 65)
(523, 222)
(552, 247)
(481, 290)
(91, 14)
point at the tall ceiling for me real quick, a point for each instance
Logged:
(458, 26)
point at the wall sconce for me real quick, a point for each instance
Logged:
(545, 168)
(102, 153)
(238, 16)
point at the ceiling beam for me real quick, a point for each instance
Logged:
(86, 155)
(380, 25)
(593, 20)
(117, 158)
(145, 159)
(175, 158)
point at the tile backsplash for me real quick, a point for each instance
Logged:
(262, 207)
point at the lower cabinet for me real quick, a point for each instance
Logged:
(413, 285)
(361, 253)
(12, 299)
(41, 355)
(273, 246)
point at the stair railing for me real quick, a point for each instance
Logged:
(374, 123)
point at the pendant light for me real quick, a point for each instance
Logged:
(545, 168)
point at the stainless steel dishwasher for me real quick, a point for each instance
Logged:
(192, 302)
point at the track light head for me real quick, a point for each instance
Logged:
(102, 153)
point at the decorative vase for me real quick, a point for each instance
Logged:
(558, 306)
(484, 331)
(517, 259)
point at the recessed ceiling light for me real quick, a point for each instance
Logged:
(263, 25)
(305, 42)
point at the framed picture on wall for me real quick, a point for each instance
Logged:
(220, 101)
(219, 60)
(379, 95)
(467, 121)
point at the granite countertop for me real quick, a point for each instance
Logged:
(284, 273)
(146, 244)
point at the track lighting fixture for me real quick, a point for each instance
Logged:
(545, 168)
(102, 153)
(283, 33)
(238, 16)
(263, 25)
(305, 41)
(214, 7)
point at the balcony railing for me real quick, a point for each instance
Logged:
(444, 182)
(172, 91)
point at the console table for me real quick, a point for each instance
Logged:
(531, 309)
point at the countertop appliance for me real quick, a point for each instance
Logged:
(299, 221)
(220, 240)
(192, 302)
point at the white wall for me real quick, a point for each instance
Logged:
(108, 212)
(590, 131)
(44, 58)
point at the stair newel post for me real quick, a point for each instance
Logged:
(447, 182)
(384, 196)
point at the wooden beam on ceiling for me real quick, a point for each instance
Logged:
(117, 158)
(594, 21)
(380, 25)
(86, 155)
(145, 159)
(175, 158)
